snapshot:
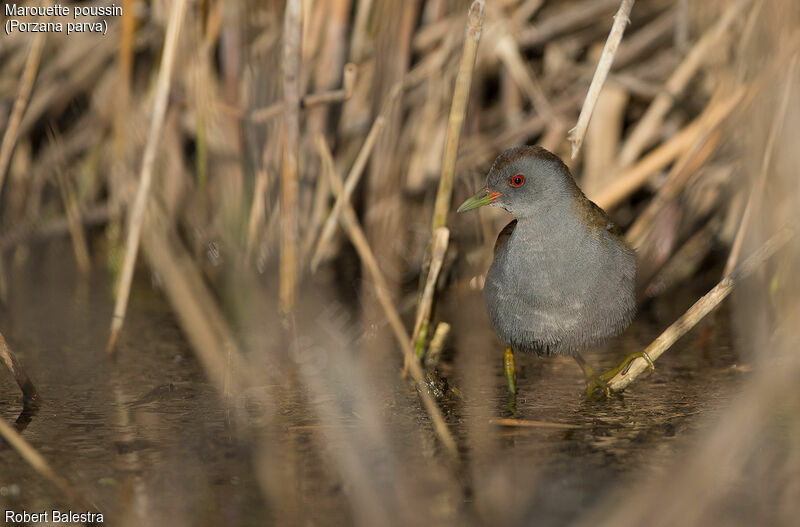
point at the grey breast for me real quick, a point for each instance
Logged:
(555, 291)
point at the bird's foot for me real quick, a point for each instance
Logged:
(597, 385)
(626, 365)
(594, 383)
(600, 383)
(510, 370)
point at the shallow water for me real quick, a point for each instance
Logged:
(146, 437)
(559, 474)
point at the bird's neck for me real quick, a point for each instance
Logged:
(556, 225)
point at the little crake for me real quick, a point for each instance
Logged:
(562, 280)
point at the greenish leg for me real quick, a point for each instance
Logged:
(593, 382)
(510, 369)
(600, 382)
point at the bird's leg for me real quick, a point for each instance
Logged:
(593, 382)
(510, 369)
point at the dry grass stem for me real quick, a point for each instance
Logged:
(137, 213)
(644, 39)
(527, 423)
(621, 20)
(458, 109)
(312, 99)
(349, 221)
(292, 37)
(661, 156)
(441, 237)
(437, 344)
(340, 95)
(20, 103)
(680, 174)
(356, 234)
(648, 126)
(352, 181)
(603, 138)
(79, 245)
(509, 52)
(570, 17)
(699, 310)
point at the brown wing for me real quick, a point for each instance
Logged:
(504, 235)
(598, 218)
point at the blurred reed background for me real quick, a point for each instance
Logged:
(225, 132)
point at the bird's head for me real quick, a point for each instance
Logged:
(525, 181)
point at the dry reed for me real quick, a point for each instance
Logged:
(139, 207)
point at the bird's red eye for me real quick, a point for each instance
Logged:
(517, 180)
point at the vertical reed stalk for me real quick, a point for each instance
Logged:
(137, 214)
(621, 20)
(292, 38)
(458, 109)
(21, 102)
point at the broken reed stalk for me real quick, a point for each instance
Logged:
(311, 99)
(20, 103)
(458, 109)
(30, 397)
(766, 160)
(350, 224)
(621, 20)
(331, 96)
(137, 214)
(441, 238)
(43, 468)
(434, 353)
(292, 38)
(651, 121)
(527, 423)
(352, 179)
(699, 310)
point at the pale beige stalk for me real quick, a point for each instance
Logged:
(621, 20)
(137, 214)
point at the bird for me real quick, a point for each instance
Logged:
(563, 279)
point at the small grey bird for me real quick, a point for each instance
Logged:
(562, 279)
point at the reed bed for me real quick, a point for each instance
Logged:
(289, 170)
